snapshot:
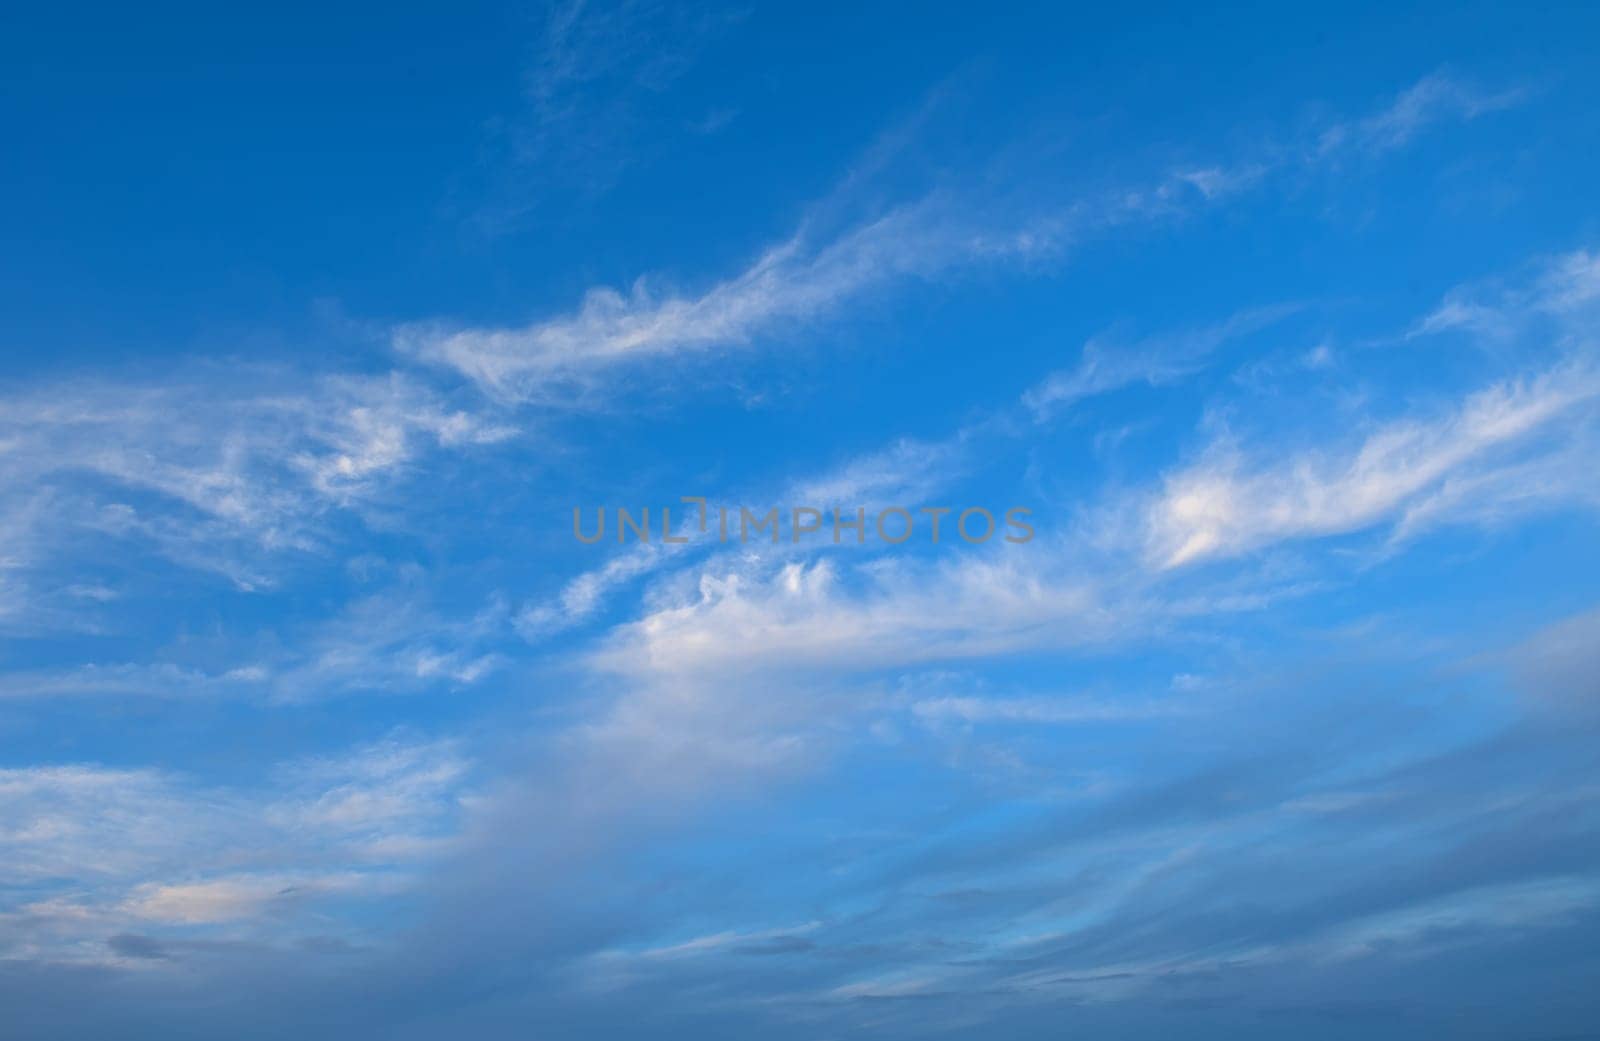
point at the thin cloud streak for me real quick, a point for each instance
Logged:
(805, 279)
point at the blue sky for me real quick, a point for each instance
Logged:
(317, 721)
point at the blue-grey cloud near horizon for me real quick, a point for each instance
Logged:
(316, 721)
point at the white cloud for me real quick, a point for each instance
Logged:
(1563, 291)
(1044, 710)
(557, 361)
(392, 641)
(1431, 100)
(1571, 282)
(1105, 367)
(583, 597)
(212, 468)
(87, 821)
(906, 472)
(821, 616)
(709, 944)
(1227, 503)
(903, 474)
(364, 796)
(794, 282)
(232, 898)
(91, 851)
(166, 680)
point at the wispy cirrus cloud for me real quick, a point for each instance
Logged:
(93, 852)
(1227, 504)
(1432, 99)
(597, 75)
(794, 282)
(1510, 447)
(390, 642)
(213, 470)
(1563, 290)
(818, 270)
(1106, 366)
